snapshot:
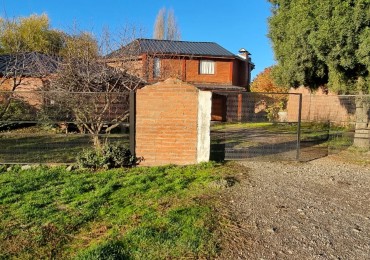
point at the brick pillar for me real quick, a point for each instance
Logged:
(172, 123)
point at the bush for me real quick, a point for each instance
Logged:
(17, 111)
(110, 156)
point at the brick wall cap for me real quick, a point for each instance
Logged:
(170, 81)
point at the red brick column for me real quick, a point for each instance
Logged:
(167, 123)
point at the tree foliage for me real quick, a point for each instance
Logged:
(322, 42)
(264, 82)
(165, 26)
(29, 34)
(24, 45)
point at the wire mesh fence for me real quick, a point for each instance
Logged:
(335, 115)
(54, 127)
(253, 125)
(282, 126)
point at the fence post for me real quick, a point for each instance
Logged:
(299, 127)
(132, 122)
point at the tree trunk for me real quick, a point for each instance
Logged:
(97, 142)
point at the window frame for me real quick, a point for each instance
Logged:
(156, 67)
(207, 72)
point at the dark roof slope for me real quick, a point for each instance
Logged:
(27, 64)
(153, 46)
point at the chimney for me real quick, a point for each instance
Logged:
(244, 53)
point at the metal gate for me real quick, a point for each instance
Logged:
(255, 125)
(270, 126)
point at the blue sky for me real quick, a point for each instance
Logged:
(233, 24)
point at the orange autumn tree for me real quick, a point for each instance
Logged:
(273, 103)
(264, 82)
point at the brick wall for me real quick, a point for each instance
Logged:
(27, 86)
(319, 106)
(167, 123)
(135, 66)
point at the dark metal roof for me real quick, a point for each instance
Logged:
(153, 46)
(27, 64)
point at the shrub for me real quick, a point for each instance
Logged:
(3, 168)
(110, 156)
(17, 111)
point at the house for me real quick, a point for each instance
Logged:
(207, 65)
(27, 78)
(24, 73)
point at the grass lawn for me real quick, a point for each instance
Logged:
(37, 145)
(138, 213)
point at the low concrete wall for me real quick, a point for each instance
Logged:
(204, 125)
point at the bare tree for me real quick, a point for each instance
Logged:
(95, 94)
(29, 70)
(159, 25)
(165, 26)
(173, 31)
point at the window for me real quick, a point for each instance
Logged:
(206, 67)
(156, 68)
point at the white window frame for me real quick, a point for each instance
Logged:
(207, 67)
(156, 67)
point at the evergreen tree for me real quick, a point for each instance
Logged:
(322, 42)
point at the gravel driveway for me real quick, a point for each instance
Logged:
(313, 210)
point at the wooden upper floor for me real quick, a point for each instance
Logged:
(193, 62)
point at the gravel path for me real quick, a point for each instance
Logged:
(313, 210)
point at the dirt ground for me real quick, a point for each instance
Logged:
(290, 210)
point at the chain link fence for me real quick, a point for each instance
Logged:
(54, 127)
(283, 126)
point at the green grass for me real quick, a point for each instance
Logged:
(139, 213)
(39, 145)
(236, 126)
